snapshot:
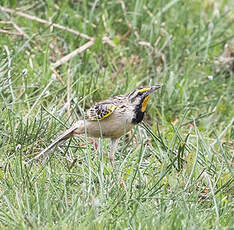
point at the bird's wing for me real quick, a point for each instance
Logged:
(100, 111)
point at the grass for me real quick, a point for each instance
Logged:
(174, 171)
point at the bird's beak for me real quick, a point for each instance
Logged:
(152, 89)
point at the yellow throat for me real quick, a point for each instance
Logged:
(144, 104)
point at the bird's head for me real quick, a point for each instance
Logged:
(140, 96)
(139, 99)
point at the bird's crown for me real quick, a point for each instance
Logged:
(142, 92)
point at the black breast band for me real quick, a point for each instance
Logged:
(139, 115)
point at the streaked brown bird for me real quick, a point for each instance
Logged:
(110, 118)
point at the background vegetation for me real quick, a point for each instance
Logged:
(175, 171)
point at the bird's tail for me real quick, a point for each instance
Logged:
(78, 127)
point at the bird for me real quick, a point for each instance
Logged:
(110, 118)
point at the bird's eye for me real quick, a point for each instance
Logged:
(140, 93)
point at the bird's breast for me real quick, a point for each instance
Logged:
(138, 115)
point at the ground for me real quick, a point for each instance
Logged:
(174, 171)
